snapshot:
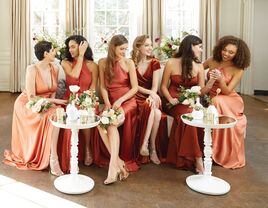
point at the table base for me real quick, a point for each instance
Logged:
(208, 184)
(74, 184)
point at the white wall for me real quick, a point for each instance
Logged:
(5, 43)
(260, 45)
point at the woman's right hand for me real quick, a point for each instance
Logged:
(82, 48)
(174, 101)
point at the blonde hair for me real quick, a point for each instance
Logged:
(135, 53)
(117, 40)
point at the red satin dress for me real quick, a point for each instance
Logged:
(31, 132)
(185, 142)
(119, 86)
(228, 144)
(64, 143)
(144, 110)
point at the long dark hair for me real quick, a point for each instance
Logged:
(187, 55)
(78, 39)
(242, 56)
(117, 40)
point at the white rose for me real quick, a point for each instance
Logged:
(196, 89)
(185, 102)
(36, 108)
(105, 113)
(88, 100)
(104, 120)
(174, 47)
(111, 112)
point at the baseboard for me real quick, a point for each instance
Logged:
(260, 92)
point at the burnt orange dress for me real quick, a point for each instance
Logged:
(144, 110)
(31, 132)
(64, 143)
(185, 142)
(228, 144)
(119, 86)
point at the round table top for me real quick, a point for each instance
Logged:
(223, 122)
(76, 124)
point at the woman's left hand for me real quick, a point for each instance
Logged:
(117, 104)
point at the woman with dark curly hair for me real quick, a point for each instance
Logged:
(231, 56)
(82, 71)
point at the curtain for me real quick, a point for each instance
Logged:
(247, 15)
(209, 25)
(21, 44)
(152, 21)
(76, 17)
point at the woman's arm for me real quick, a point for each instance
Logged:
(95, 74)
(227, 89)
(103, 90)
(30, 82)
(67, 66)
(207, 62)
(133, 81)
(164, 83)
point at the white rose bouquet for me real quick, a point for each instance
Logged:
(111, 117)
(88, 99)
(38, 105)
(188, 96)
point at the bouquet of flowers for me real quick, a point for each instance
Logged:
(111, 117)
(168, 46)
(87, 99)
(188, 96)
(38, 105)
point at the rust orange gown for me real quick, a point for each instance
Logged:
(185, 142)
(31, 132)
(64, 143)
(228, 144)
(161, 142)
(119, 86)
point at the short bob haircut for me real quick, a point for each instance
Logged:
(242, 56)
(78, 39)
(40, 48)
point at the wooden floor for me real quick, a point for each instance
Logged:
(152, 186)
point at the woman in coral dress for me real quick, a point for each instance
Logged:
(118, 85)
(185, 69)
(82, 71)
(34, 138)
(149, 104)
(231, 56)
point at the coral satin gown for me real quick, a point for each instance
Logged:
(144, 111)
(185, 142)
(228, 144)
(31, 132)
(119, 86)
(64, 143)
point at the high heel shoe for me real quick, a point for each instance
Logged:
(113, 179)
(199, 168)
(154, 157)
(123, 175)
(144, 151)
(55, 167)
(88, 160)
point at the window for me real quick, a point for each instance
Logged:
(48, 17)
(110, 17)
(181, 15)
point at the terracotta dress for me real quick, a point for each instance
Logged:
(119, 86)
(228, 144)
(31, 132)
(64, 143)
(185, 142)
(144, 110)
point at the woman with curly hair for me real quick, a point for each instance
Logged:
(231, 56)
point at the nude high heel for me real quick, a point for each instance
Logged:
(154, 157)
(88, 160)
(55, 167)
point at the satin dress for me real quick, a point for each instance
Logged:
(31, 132)
(144, 110)
(119, 86)
(228, 144)
(64, 143)
(185, 142)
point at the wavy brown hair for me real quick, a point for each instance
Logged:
(242, 56)
(187, 55)
(117, 40)
(135, 53)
